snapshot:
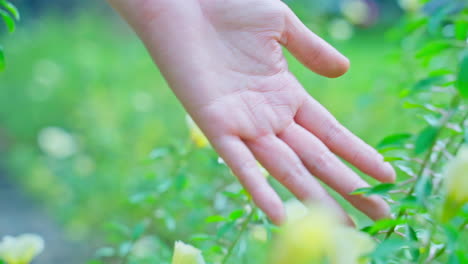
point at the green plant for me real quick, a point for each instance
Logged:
(10, 15)
(429, 224)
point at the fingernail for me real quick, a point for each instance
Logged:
(389, 172)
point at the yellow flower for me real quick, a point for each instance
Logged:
(21, 249)
(316, 236)
(456, 184)
(356, 11)
(196, 134)
(186, 254)
(259, 233)
(409, 5)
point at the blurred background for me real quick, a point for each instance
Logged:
(82, 107)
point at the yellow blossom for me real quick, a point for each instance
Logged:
(356, 11)
(315, 235)
(259, 233)
(409, 5)
(456, 183)
(196, 134)
(186, 254)
(21, 249)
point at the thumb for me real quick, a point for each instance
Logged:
(314, 52)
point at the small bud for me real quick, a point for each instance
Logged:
(316, 235)
(21, 249)
(186, 254)
(456, 184)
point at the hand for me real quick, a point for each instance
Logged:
(224, 61)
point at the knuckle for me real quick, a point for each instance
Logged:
(246, 168)
(324, 160)
(333, 131)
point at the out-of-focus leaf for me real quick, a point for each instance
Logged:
(159, 153)
(440, 14)
(432, 49)
(397, 140)
(124, 248)
(215, 218)
(461, 30)
(142, 197)
(409, 202)
(380, 189)
(11, 8)
(225, 228)
(9, 21)
(236, 214)
(118, 228)
(440, 72)
(180, 181)
(462, 81)
(138, 231)
(105, 252)
(428, 83)
(201, 237)
(425, 139)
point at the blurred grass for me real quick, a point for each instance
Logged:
(90, 76)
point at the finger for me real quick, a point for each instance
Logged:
(311, 50)
(287, 168)
(326, 166)
(243, 164)
(315, 118)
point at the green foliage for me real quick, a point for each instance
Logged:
(135, 174)
(9, 15)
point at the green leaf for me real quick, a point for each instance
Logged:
(391, 159)
(462, 81)
(389, 247)
(215, 219)
(200, 237)
(11, 8)
(411, 233)
(380, 189)
(409, 202)
(428, 83)
(9, 22)
(432, 49)
(236, 214)
(383, 224)
(426, 139)
(397, 140)
(461, 30)
(225, 228)
(440, 72)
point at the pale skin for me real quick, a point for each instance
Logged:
(224, 61)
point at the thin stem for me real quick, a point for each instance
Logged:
(244, 226)
(427, 158)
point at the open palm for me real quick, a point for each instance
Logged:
(224, 60)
